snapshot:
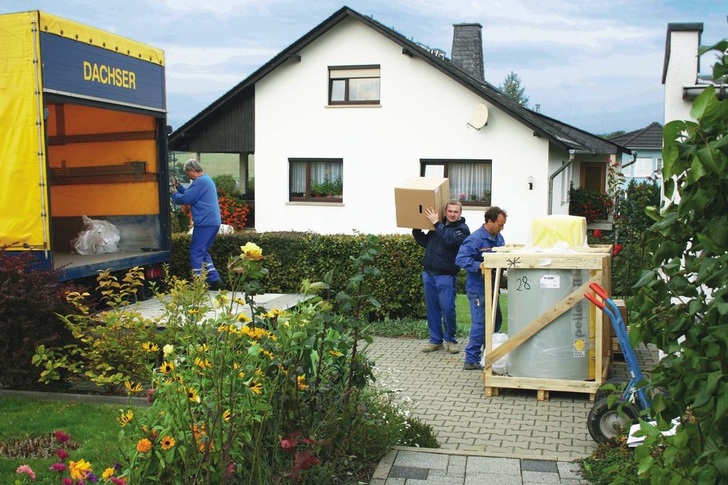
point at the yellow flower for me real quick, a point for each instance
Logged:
(192, 395)
(243, 318)
(131, 387)
(79, 469)
(166, 367)
(125, 417)
(335, 353)
(267, 354)
(252, 251)
(203, 363)
(167, 442)
(226, 415)
(108, 473)
(239, 301)
(150, 347)
(256, 387)
(168, 350)
(143, 445)
(301, 380)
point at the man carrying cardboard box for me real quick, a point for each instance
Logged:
(439, 275)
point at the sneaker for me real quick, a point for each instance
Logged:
(214, 285)
(431, 347)
(472, 366)
(452, 347)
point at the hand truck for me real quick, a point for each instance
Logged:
(605, 422)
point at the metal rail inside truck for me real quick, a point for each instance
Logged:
(83, 131)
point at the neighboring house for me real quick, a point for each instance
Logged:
(681, 68)
(350, 110)
(645, 163)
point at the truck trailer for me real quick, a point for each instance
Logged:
(83, 128)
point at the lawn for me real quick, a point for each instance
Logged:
(27, 422)
(417, 328)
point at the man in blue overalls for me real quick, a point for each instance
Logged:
(201, 196)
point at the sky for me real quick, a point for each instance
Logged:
(593, 64)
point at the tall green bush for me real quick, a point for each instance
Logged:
(294, 256)
(630, 223)
(682, 301)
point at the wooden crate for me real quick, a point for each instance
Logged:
(595, 259)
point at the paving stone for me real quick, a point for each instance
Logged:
(540, 477)
(539, 466)
(486, 464)
(569, 470)
(408, 472)
(488, 478)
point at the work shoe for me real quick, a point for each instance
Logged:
(452, 347)
(214, 285)
(472, 366)
(431, 347)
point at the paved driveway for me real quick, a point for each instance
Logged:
(513, 424)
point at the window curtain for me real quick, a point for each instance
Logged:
(326, 171)
(468, 180)
(298, 177)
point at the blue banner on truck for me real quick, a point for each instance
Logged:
(75, 68)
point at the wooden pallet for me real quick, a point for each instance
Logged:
(597, 259)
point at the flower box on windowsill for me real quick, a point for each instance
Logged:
(603, 224)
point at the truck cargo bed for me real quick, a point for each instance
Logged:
(74, 265)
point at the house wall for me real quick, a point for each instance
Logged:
(423, 114)
(681, 70)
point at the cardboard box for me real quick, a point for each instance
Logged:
(413, 196)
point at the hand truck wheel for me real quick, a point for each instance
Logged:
(606, 423)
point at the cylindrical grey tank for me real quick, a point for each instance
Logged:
(561, 349)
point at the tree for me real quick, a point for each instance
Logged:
(681, 304)
(512, 89)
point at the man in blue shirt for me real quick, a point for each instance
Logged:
(439, 274)
(469, 257)
(201, 196)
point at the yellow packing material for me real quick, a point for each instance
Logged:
(559, 232)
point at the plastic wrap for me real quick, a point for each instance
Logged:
(500, 367)
(96, 237)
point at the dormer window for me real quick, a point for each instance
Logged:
(353, 85)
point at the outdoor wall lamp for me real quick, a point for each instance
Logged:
(530, 183)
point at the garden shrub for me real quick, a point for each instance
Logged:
(295, 256)
(30, 299)
(250, 395)
(630, 223)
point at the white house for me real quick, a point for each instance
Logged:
(353, 108)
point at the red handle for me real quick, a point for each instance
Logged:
(599, 304)
(597, 288)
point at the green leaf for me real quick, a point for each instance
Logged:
(702, 102)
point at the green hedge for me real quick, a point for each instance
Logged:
(294, 256)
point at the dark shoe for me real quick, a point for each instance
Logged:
(472, 366)
(215, 285)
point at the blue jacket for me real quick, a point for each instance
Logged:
(201, 196)
(470, 256)
(441, 246)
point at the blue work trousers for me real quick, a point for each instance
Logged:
(202, 239)
(440, 305)
(476, 340)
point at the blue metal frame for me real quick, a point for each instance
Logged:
(612, 311)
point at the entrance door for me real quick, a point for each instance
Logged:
(593, 176)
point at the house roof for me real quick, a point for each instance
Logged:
(649, 137)
(563, 135)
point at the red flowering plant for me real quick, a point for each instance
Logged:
(233, 210)
(76, 472)
(590, 204)
(302, 457)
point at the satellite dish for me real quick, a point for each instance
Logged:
(479, 118)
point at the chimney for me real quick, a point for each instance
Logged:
(467, 49)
